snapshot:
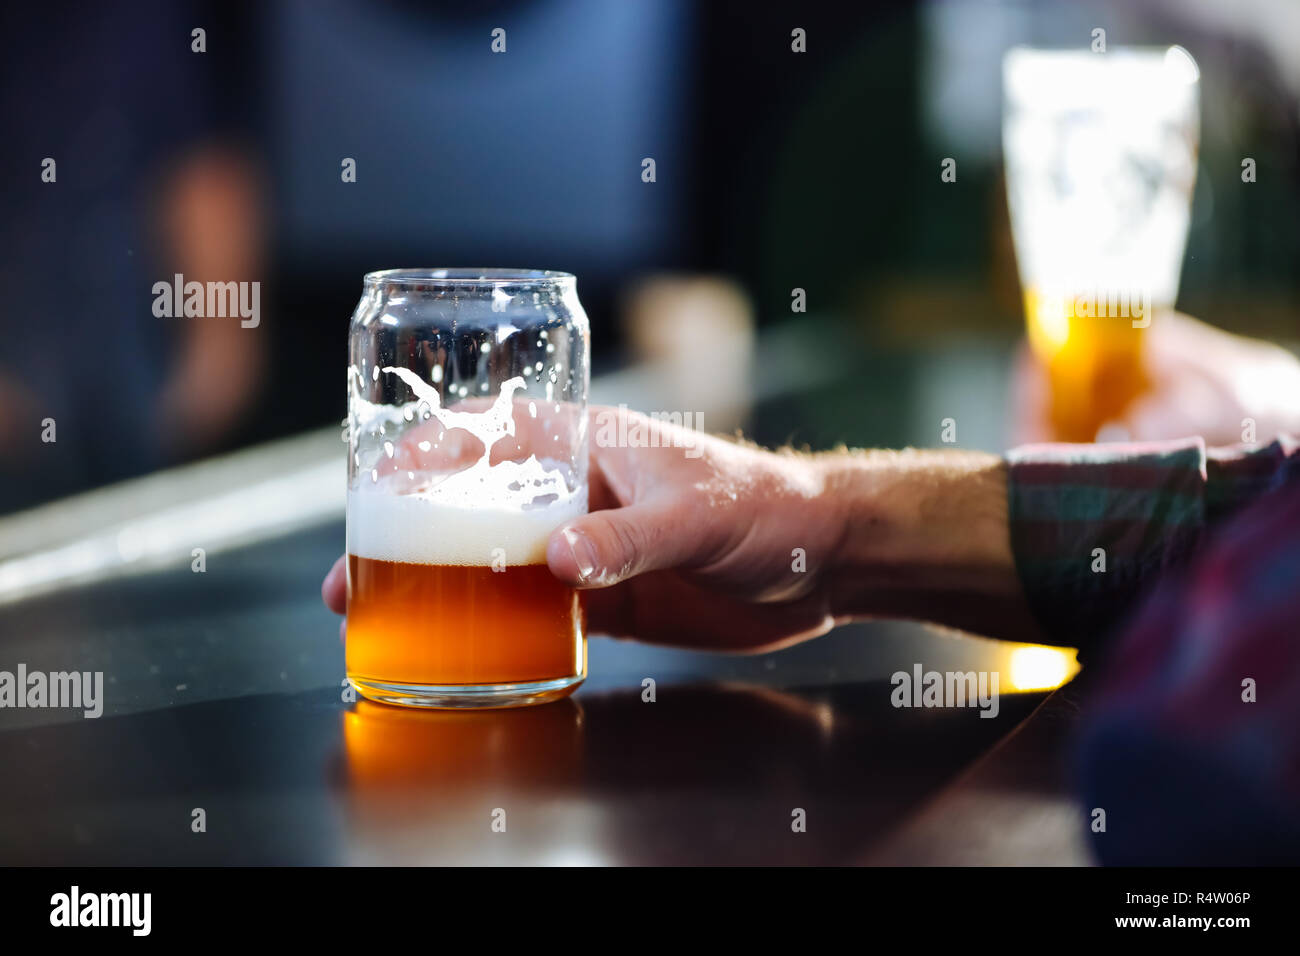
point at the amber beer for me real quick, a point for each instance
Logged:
(441, 624)
(1094, 360)
(453, 605)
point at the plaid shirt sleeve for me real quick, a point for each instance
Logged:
(1094, 526)
(1192, 740)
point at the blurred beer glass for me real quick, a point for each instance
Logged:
(467, 447)
(1100, 152)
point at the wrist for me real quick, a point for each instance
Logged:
(923, 534)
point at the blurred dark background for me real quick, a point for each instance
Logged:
(775, 170)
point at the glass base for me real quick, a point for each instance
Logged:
(457, 696)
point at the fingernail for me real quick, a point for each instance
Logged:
(584, 555)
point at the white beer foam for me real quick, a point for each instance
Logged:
(419, 529)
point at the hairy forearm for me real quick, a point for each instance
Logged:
(924, 536)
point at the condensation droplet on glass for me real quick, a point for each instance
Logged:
(485, 347)
(408, 414)
(374, 474)
(388, 449)
(436, 374)
(532, 409)
(538, 366)
(374, 374)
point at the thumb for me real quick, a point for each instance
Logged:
(606, 547)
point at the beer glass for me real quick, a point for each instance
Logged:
(1100, 152)
(467, 447)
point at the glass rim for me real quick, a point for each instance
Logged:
(466, 277)
(1172, 62)
(1057, 79)
(1125, 50)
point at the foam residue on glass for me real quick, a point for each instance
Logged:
(426, 490)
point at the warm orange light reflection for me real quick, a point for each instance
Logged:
(1035, 667)
(462, 749)
(424, 787)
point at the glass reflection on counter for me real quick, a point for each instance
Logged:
(431, 786)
